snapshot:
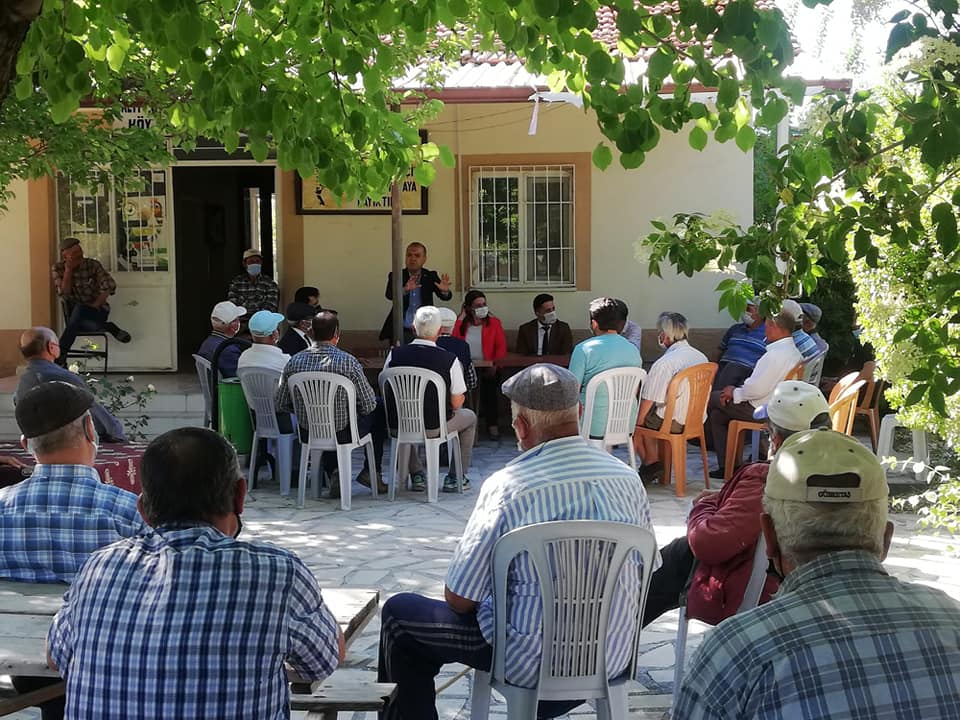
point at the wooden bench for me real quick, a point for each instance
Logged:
(344, 691)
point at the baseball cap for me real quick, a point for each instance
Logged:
(264, 322)
(793, 405)
(252, 252)
(543, 386)
(812, 311)
(755, 301)
(448, 318)
(227, 312)
(297, 311)
(68, 242)
(791, 308)
(825, 466)
(51, 405)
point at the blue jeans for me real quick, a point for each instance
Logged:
(84, 318)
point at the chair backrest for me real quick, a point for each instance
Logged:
(578, 564)
(699, 379)
(758, 577)
(404, 391)
(318, 394)
(873, 389)
(813, 369)
(796, 373)
(842, 384)
(623, 388)
(205, 375)
(843, 409)
(260, 389)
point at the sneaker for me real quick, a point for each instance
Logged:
(364, 479)
(450, 484)
(418, 482)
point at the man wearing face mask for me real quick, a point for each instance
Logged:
(299, 333)
(251, 289)
(741, 348)
(225, 323)
(545, 334)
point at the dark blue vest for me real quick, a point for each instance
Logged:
(428, 358)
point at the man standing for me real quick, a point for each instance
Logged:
(325, 356)
(811, 318)
(85, 286)
(264, 353)
(741, 348)
(41, 349)
(545, 334)
(300, 319)
(451, 343)
(419, 287)
(186, 621)
(225, 321)
(251, 289)
(559, 476)
(424, 353)
(841, 639)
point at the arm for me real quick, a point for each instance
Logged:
(459, 605)
(578, 364)
(388, 293)
(437, 282)
(523, 340)
(565, 343)
(468, 575)
(284, 396)
(63, 280)
(228, 361)
(645, 407)
(499, 340)
(718, 532)
(272, 300)
(458, 386)
(107, 285)
(761, 382)
(723, 345)
(233, 293)
(315, 640)
(471, 376)
(366, 398)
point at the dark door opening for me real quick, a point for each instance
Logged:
(219, 212)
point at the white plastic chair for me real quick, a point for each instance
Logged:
(813, 369)
(318, 393)
(751, 598)
(888, 424)
(578, 564)
(623, 390)
(260, 389)
(408, 389)
(205, 375)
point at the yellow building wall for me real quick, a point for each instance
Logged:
(15, 277)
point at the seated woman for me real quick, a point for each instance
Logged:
(484, 334)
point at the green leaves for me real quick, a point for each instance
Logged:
(746, 137)
(602, 156)
(698, 138)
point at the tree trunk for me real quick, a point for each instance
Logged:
(15, 19)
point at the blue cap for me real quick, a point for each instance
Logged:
(264, 323)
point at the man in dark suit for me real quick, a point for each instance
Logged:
(545, 334)
(298, 335)
(419, 287)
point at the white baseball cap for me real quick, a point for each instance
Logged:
(793, 405)
(825, 466)
(448, 318)
(792, 308)
(227, 312)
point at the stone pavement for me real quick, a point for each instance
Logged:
(406, 546)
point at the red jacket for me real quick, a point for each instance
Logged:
(722, 531)
(492, 339)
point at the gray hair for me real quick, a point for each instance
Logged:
(784, 321)
(545, 418)
(806, 530)
(673, 325)
(427, 321)
(219, 325)
(69, 436)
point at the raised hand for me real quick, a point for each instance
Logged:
(444, 284)
(412, 284)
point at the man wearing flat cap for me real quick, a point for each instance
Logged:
(811, 318)
(558, 476)
(299, 333)
(842, 638)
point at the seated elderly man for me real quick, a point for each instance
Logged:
(41, 349)
(559, 476)
(679, 355)
(741, 348)
(723, 527)
(459, 347)
(423, 352)
(53, 520)
(225, 320)
(265, 333)
(739, 403)
(545, 334)
(631, 330)
(805, 344)
(810, 320)
(300, 321)
(186, 621)
(842, 638)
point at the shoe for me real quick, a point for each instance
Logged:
(493, 432)
(652, 473)
(122, 336)
(418, 482)
(333, 479)
(450, 484)
(364, 479)
(717, 474)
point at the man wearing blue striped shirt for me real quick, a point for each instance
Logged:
(559, 476)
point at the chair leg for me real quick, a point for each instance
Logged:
(302, 478)
(433, 470)
(614, 707)
(372, 467)
(345, 466)
(703, 455)
(315, 470)
(252, 472)
(873, 417)
(633, 454)
(755, 446)
(456, 460)
(394, 469)
(480, 696)
(667, 447)
(680, 465)
(681, 647)
(284, 462)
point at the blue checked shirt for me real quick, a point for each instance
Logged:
(53, 520)
(842, 639)
(185, 622)
(564, 479)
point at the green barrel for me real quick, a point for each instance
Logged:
(235, 423)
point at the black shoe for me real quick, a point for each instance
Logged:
(717, 474)
(652, 473)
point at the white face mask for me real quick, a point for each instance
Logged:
(746, 319)
(661, 343)
(481, 312)
(549, 318)
(253, 269)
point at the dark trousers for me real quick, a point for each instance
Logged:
(718, 421)
(489, 396)
(731, 373)
(374, 423)
(51, 710)
(84, 318)
(671, 580)
(417, 637)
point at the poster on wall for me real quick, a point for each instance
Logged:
(315, 199)
(141, 220)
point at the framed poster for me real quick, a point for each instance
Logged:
(315, 199)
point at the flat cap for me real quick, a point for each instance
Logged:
(68, 242)
(51, 405)
(543, 386)
(812, 311)
(297, 311)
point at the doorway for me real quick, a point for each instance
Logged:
(219, 211)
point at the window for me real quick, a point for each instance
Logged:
(522, 226)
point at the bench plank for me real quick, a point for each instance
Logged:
(343, 691)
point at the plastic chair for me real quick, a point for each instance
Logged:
(623, 389)
(842, 384)
(869, 405)
(751, 598)
(87, 349)
(408, 389)
(205, 375)
(578, 564)
(813, 369)
(885, 443)
(260, 389)
(318, 392)
(841, 409)
(699, 380)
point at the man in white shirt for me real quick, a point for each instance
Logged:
(264, 353)
(739, 403)
(679, 355)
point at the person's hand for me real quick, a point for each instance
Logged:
(412, 284)
(704, 494)
(726, 395)
(11, 461)
(444, 284)
(71, 259)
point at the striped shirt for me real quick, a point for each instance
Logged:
(841, 640)
(52, 521)
(805, 344)
(743, 345)
(678, 357)
(185, 622)
(564, 479)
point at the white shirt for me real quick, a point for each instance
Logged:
(458, 386)
(772, 367)
(302, 334)
(263, 356)
(474, 339)
(679, 356)
(632, 332)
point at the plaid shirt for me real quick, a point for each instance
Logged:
(185, 622)
(88, 282)
(842, 639)
(254, 293)
(52, 521)
(324, 357)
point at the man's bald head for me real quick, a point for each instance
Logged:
(38, 342)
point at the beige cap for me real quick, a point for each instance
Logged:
(252, 252)
(825, 466)
(793, 405)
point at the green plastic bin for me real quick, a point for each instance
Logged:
(235, 423)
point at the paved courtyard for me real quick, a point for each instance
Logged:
(406, 546)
